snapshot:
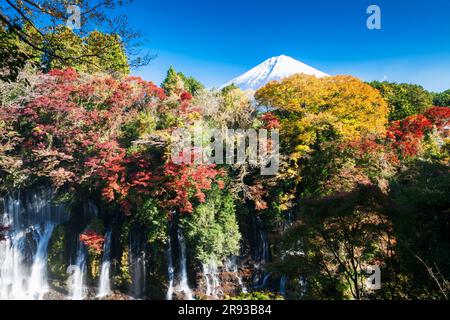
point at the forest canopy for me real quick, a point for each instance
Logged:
(364, 173)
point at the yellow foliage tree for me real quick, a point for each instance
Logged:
(313, 110)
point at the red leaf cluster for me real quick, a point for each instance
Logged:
(188, 181)
(406, 135)
(439, 116)
(270, 121)
(186, 96)
(121, 174)
(71, 125)
(93, 241)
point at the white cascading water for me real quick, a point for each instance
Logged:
(232, 267)
(263, 242)
(38, 285)
(104, 287)
(184, 285)
(77, 290)
(31, 218)
(137, 260)
(266, 277)
(170, 271)
(283, 282)
(211, 274)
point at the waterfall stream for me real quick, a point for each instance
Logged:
(77, 289)
(283, 282)
(170, 271)
(262, 253)
(105, 279)
(231, 265)
(138, 265)
(211, 274)
(31, 218)
(38, 285)
(184, 284)
(182, 276)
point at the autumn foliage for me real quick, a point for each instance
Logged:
(270, 121)
(73, 130)
(110, 138)
(93, 241)
(190, 182)
(407, 135)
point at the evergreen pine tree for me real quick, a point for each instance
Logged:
(173, 83)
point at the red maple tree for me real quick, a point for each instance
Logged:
(93, 241)
(189, 181)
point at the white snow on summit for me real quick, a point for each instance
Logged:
(275, 68)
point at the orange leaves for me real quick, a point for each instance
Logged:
(81, 117)
(318, 109)
(439, 116)
(93, 241)
(120, 174)
(406, 135)
(68, 74)
(270, 121)
(190, 181)
(257, 193)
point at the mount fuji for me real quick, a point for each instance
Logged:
(275, 68)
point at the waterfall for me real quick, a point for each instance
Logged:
(105, 280)
(184, 285)
(303, 282)
(261, 252)
(170, 270)
(232, 266)
(212, 281)
(241, 284)
(283, 282)
(266, 277)
(38, 285)
(137, 265)
(77, 291)
(31, 218)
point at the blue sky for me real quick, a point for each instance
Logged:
(216, 40)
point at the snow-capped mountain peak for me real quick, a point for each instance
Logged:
(275, 68)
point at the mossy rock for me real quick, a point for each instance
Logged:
(56, 252)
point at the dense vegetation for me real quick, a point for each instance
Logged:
(364, 168)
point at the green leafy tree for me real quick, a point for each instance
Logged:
(113, 60)
(173, 83)
(421, 195)
(442, 99)
(334, 241)
(191, 84)
(176, 82)
(212, 230)
(40, 27)
(14, 56)
(404, 99)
